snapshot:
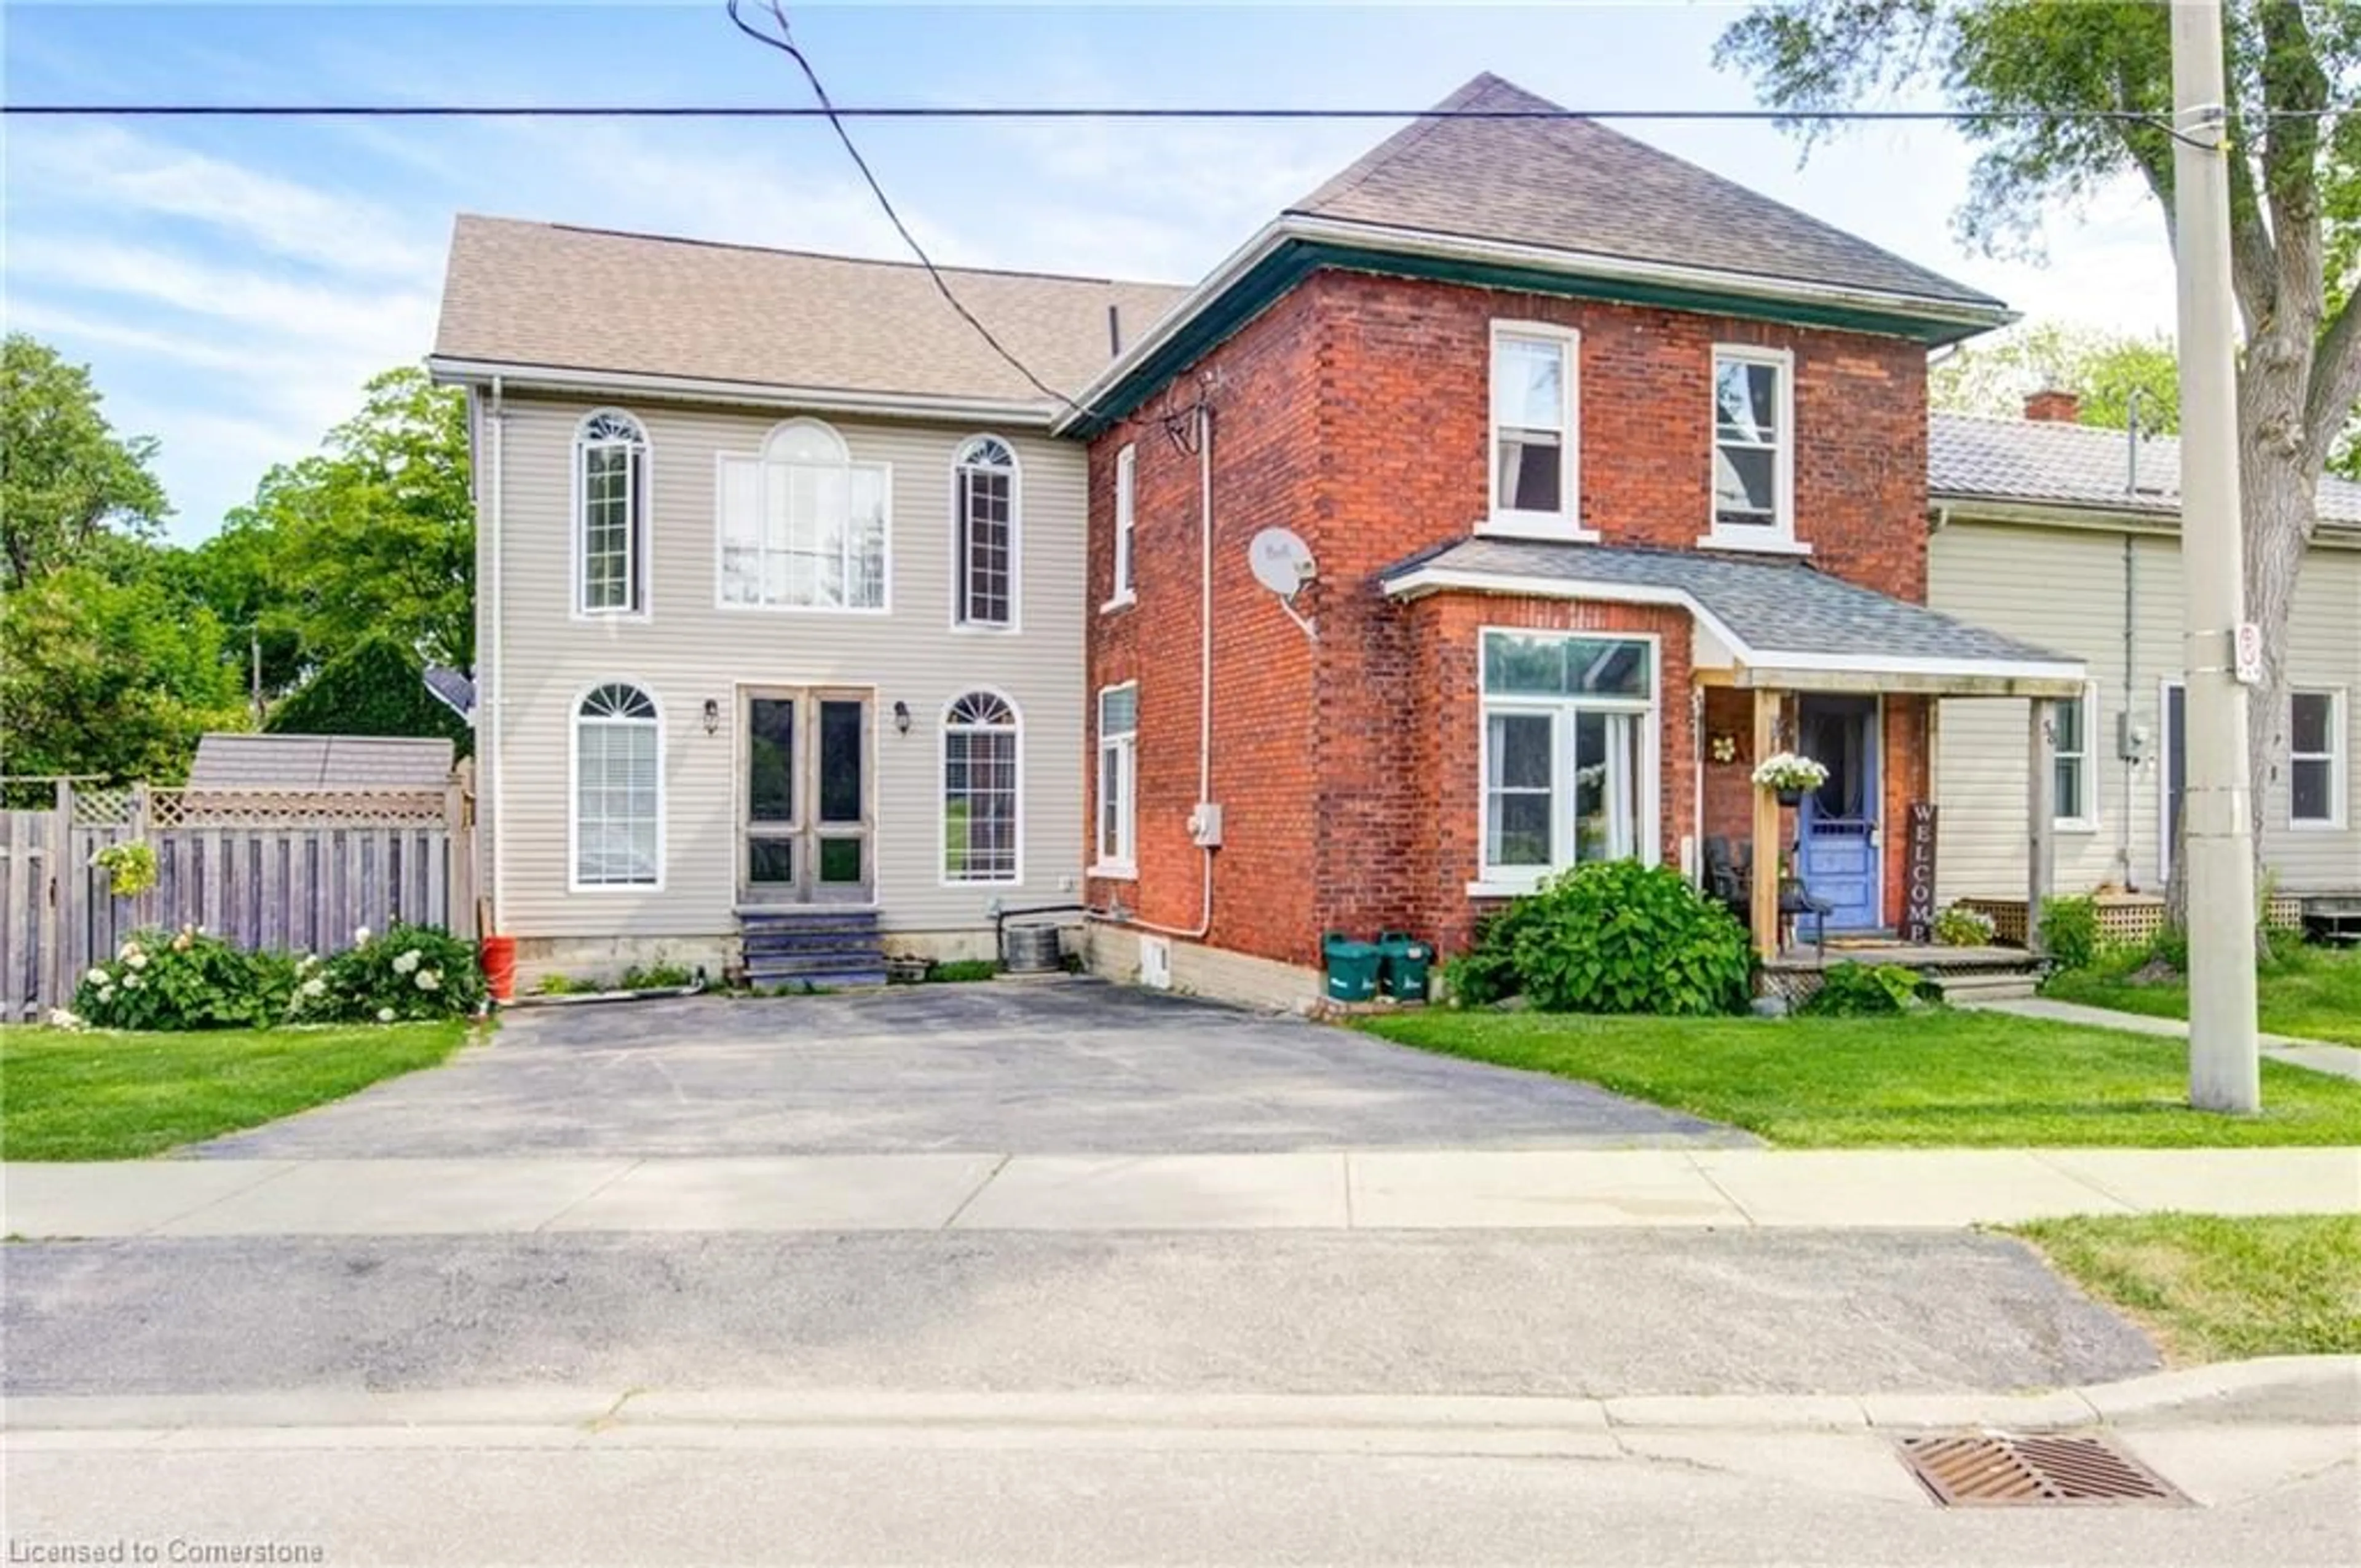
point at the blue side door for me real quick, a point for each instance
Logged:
(1840, 860)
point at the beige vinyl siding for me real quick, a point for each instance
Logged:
(2063, 588)
(686, 650)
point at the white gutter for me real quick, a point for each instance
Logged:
(708, 390)
(1291, 227)
(1426, 580)
(494, 700)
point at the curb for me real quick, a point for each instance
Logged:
(2278, 1390)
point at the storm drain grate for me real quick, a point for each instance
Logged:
(1991, 1469)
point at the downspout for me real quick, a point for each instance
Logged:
(1205, 671)
(495, 702)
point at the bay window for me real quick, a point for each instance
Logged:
(1569, 743)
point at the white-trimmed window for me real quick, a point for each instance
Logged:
(2071, 722)
(1569, 754)
(1118, 779)
(985, 521)
(2316, 786)
(610, 507)
(981, 794)
(617, 789)
(1536, 371)
(1127, 486)
(803, 526)
(1753, 448)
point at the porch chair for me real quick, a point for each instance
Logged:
(1729, 880)
(1796, 901)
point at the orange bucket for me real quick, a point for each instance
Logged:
(500, 967)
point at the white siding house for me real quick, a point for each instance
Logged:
(759, 652)
(2037, 534)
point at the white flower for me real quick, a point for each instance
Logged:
(315, 986)
(406, 962)
(428, 979)
(66, 1018)
(360, 935)
(125, 950)
(305, 961)
(136, 960)
(132, 982)
(385, 1015)
(106, 993)
(98, 976)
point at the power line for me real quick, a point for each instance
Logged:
(840, 111)
(785, 44)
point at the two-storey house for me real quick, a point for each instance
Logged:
(810, 623)
(779, 598)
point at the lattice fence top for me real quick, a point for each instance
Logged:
(112, 808)
(363, 808)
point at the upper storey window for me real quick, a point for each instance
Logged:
(986, 501)
(611, 497)
(803, 526)
(1535, 376)
(1753, 449)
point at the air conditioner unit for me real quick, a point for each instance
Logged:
(1156, 963)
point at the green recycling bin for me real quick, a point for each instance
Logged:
(1404, 962)
(1352, 968)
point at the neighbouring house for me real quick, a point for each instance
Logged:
(2068, 536)
(810, 627)
(779, 596)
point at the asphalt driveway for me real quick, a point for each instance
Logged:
(1004, 1067)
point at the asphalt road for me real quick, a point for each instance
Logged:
(1395, 1312)
(1075, 1067)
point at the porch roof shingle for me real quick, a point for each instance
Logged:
(1779, 610)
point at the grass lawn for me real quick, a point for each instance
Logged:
(2217, 1289)
(2313, 994)
(105, 1095)
(1929, 1079)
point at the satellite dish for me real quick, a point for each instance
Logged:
(1281, 561)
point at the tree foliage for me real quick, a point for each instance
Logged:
(371, 688)
(376, 532)
(68, 483)
(1995, 375)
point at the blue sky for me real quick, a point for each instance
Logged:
(232, 283)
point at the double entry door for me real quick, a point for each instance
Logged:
(805, 828)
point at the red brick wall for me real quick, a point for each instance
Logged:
(1354, 410)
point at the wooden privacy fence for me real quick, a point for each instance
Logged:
(294, 869)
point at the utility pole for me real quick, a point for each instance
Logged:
(2224, 1073)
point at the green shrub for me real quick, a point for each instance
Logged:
(655, 977)
(2170, 944)
(957, 969)
(2070, 931)
(185, 980)
(1961, 926)
(1856, 989)
(373, 687)
(405, 972)
(1619, 936)
(130, 867)
(1487, 972)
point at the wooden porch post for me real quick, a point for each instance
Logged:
(2041, 818)
(1764, 914)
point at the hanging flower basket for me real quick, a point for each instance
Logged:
(1790, 775)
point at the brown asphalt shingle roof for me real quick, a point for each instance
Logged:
(319, 762)
(1574, 185)
(2054, 462)
(547, 295)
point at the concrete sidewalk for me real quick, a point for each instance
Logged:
(1339, 1189)
(2319, 1055)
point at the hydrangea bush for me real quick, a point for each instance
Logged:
(189, 979)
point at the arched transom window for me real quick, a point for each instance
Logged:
(981, 790)
(803, 526)
(611, 491)
(617, 789)
(984, 502)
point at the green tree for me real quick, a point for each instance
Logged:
(2104, 370)
(376, 532)
(69, 485)
(2046, 73)
(371, 688)
(110, 677)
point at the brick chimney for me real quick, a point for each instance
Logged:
(2053, 405)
